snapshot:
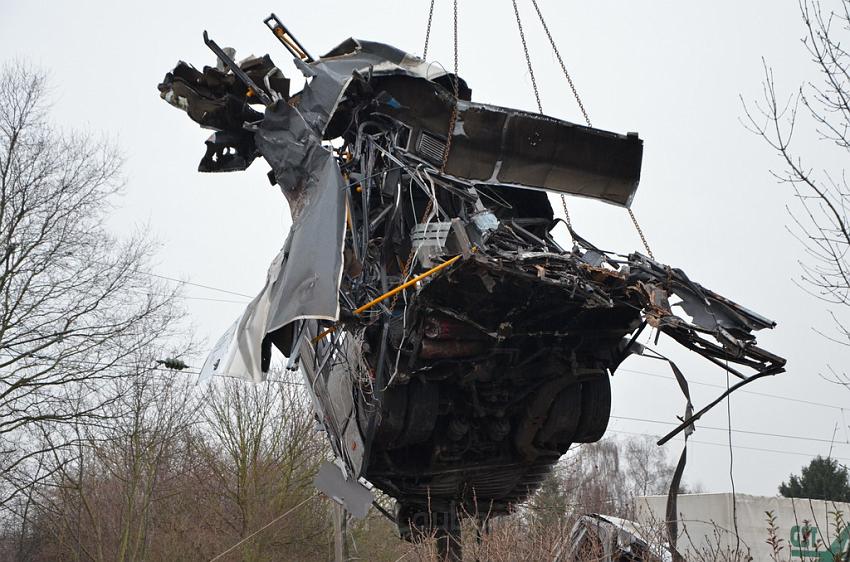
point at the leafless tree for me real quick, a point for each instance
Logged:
(261, 453)
(187, 472)
(818, 112)
(605, 477)
(649, 469)
(75, 301)
(123, 493)
(596, 479)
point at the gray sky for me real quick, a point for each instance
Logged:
(673, 71)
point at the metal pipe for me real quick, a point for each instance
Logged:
(392, 292)
(405, 285)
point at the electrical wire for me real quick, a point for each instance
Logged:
(266, 526)
(756, 393)
(196, 371)
(741, 447)
(186, 297)
(182, 282)
(743, 431)
(188, 370)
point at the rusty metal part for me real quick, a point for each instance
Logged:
(442, 328)
(447, 349)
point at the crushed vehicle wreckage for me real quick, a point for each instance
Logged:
(452, 348)
(603, 538)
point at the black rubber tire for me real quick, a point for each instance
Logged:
(595, 409)
(563, 419)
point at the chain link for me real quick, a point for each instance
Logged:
(455, 35)
(456, 88)
(428, 31)
(640, 232)
(580, 105)
(405, 270)
(527, 58)
(566, 212)
(537, 93)
(560, 61)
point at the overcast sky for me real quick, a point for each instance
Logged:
(672, 71)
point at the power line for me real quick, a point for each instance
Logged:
(209, 287)
(212, 300)
(46, 361)
(183, 282)
(266, 526)
(634, 371)
(188, 370)
(726, 445)
(756, 393)
(196, 371)
(748, 432)
(185, 297)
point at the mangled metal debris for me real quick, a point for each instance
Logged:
(604, 538)
(453, 349)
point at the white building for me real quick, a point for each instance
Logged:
(809, 530)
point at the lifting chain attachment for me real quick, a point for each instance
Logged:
(578, 100)
(561, 62)
(456, 88)
(428, 31)
(405, 271)
(640, 232)
(527, 57)
(537, 92)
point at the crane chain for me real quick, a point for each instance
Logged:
(428, 31)
(561, 62)
(578, 100)
(454, 114)
(537, 92)
(405, 271)
(456, 91)
(640, 233)
(527, 57)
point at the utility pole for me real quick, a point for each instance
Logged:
(340, 519)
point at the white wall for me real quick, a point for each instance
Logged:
(806, 527)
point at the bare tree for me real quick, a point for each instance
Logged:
(261, 453)
(596, 479)
(75, 302)
(121, 494)
(186, 472)
(818, 111)
(604, 477)
(648, 467)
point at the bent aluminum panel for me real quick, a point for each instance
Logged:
(502, 146)
(496, 145)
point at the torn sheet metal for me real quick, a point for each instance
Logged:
(241, 352)
(331, 481)
(453, 350)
